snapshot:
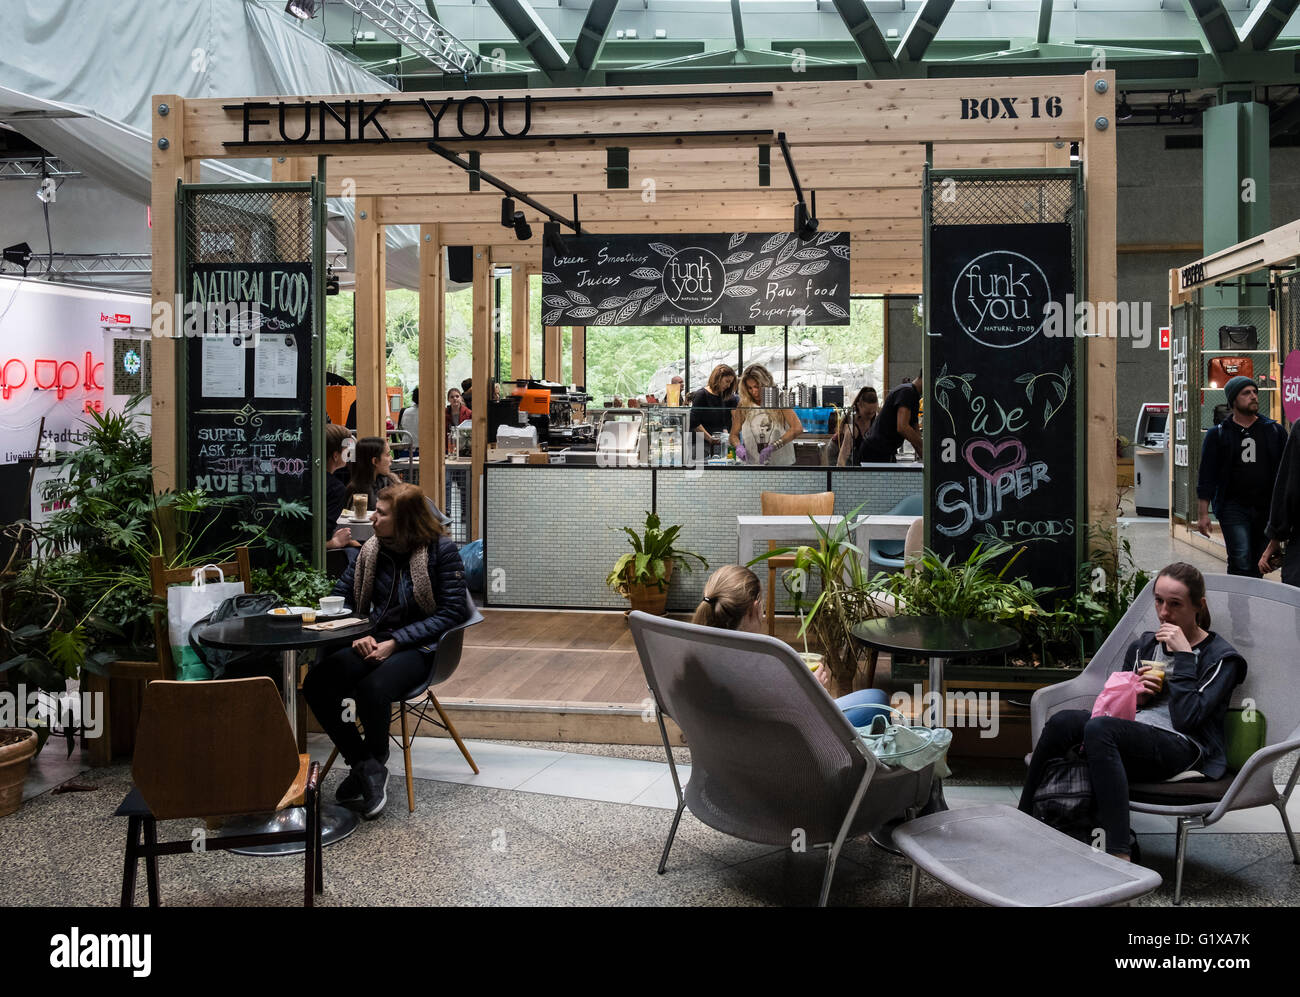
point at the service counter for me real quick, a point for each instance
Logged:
(552, 532)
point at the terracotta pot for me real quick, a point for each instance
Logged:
(17, 746)
(649, 598)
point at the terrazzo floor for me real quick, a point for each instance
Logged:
(542, 827)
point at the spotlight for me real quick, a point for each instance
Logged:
(507, 212)
(302, 9)
(1123, 111)
(331, 282)
(523, 231)
(805, 226)
(19, 255)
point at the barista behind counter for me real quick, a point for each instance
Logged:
(899, 420)
(710, 405)
(762, 435)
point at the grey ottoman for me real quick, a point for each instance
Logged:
(1002, 857)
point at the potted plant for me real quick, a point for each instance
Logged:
(846, 598)
(17, 746)
(643, 574)
(76, 594)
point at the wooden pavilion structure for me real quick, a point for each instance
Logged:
(695, 164)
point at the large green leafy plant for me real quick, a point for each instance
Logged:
(76, 591)
(653, 551)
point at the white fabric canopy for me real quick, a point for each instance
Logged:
(78, 76)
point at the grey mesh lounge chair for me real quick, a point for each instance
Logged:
(1261, 620)
(770, 751)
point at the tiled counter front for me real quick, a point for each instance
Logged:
(552, 532)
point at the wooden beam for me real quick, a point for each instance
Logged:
(433, 367)
(481, 372)
(1097, 151)
(1056, 154)
(841, 112)
(551, 353)
(579, 347)
(371, 370)
(168, 168)
(520, 361)
(1270, 248)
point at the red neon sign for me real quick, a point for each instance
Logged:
(59, 376)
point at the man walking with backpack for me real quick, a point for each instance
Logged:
(1239, 462)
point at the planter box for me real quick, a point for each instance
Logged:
(123, 692)
(1001, 676)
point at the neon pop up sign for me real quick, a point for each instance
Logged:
(60, 376)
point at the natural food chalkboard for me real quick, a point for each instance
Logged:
(249, 388)
(1001, 426)
(745, 278)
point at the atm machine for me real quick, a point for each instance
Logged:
(1151, 460)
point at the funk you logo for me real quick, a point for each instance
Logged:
(999, 298)
(694, 279)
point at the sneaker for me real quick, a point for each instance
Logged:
(352, 788)
(374, 776)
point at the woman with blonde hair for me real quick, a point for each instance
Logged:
(709, 405)
(408, 579)
(733, 600)
(762, 435)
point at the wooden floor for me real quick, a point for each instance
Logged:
(555, 676)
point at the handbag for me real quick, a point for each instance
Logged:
(1118, 698)
(1238, 337)
(1064, 798)
(1224, 368)
(186, 605)
(913, 748)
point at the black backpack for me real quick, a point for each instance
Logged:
(237, 664)
(1064, 798)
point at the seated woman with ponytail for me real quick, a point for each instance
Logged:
(409, 580)
(733, 600)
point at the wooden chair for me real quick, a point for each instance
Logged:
(216, 749)
(778, 504)
(162, 577)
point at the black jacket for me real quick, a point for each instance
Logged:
(392, 600)
(1284, 513)
(1200, 687)
(1216, 458)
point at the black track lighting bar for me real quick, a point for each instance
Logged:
(510, 191)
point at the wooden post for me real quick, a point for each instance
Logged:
(481, 369)
(433, 368)
(551, 353)
(1097, 151)
(169, 166)
(520, 365)
(579, 347)
(289, 169)
(370, 367)
(1058, 156)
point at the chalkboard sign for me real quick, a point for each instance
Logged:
(1001, 424)
(744, 278)
(249, 388)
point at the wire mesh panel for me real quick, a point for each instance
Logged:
(250, 270)
(1003, 429)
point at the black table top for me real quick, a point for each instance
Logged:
(936, 636)
(272, 634)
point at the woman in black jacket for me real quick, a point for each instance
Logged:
(1188, 674)
(409, 580)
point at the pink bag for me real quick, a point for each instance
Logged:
(1119, 696)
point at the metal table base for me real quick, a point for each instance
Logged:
(336, 823)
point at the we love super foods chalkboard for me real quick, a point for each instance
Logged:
(1002, 430)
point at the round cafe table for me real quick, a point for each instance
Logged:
(286, 636)
(362, 530)
(938, 638)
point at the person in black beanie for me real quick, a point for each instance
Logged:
(1239, 462)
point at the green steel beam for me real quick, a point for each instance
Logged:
(738, 25)
(921, 32)
(1216, 26)
(533, 35)
(1266, 22)
(1044, 21)
(868, 37)
(591, 37)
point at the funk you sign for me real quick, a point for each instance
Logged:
(1001, 428)
(744, 278)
